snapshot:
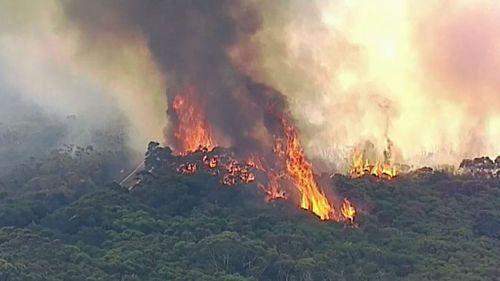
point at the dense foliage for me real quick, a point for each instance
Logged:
(61, 219)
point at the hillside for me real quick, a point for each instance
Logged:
(61, 219)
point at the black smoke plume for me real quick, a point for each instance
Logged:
(191, 40)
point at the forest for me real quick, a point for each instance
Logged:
(288, 140)
(63, 218)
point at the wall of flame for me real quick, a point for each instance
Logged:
(424, 75)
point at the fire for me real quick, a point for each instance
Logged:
(225, 166)
(229, 180)
(348, 211)
(210, 162)
(195, 140)
(384, 170)
(192, 132)
(255, 162)
(238, 174)
(272, 188)
(300, 172)
(188, 168)
(361, 166)
(233, 167)
(246, 176)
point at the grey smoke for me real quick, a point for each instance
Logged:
(190, 41)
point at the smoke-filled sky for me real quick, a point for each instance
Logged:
(425, 76)
(45, 60)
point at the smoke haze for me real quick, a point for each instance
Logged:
(111, 84)
(424, 76)
(421, 75)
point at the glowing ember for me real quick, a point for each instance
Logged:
(348, 211)
(233, 167)
(192, 132)
(188, 168)
(246, 176)
(229, 180)
(229, 170)
(235, 172)
(210, 162)
(300, 172)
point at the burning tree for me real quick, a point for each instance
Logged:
(362, 164)
(273, 168)
(300, 172)
(192, 132)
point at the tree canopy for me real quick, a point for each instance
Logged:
(62, 218)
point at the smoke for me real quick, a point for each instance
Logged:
(435, 65)
(462, 65)
(191, 42)
(351, 72)
(107, 87)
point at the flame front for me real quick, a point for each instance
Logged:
(192, 132)
(301, 174)
(362, 166)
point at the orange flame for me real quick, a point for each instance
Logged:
(188, 168)
(193, 135)
(229, 179)
(246, 176)
(301, 174)
(235, 171)
(348, 211)
(230, 171)
(210, 162)
(192, 132)
(361, 166)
